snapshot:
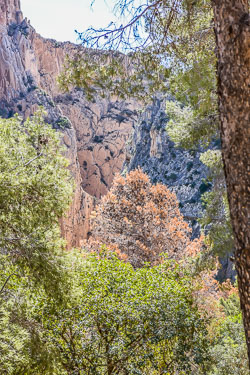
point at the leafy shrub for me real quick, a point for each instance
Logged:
(129, 321)
(229, 350)
(63, 122)
(35, 192)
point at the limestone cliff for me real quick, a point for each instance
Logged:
(10, 12)
(151, 149)
(94, 133)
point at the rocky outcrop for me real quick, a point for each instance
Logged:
(94, 133)
(151, 149)
(102, 129)
(10, 12)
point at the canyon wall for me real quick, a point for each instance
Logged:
(182, 171)
(94, 133)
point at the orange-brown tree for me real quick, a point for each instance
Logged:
(142, 221)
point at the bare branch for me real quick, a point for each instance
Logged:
(29, 162)
(117, 32)
(6, 281)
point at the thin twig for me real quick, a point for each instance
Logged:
(121, 29)
(6, 281)
(28, 162)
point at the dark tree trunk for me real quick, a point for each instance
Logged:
(232, 30)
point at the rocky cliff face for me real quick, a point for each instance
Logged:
(151, 149)
(10, 12)
(94, 133)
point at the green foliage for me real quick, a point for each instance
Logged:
(24, 348)
(63, 122)
(229, 351)
(12, 341)
(35, 192)
(130, 321)
(106, 74)
(170, 49)
(216, 218)
(187, 129)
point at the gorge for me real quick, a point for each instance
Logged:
(102, 137)
(117, 252)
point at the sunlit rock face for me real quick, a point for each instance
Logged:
(10, 12)
(94, 133)
(102, 129)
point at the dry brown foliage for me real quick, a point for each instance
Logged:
(208, 292)
(141, 221)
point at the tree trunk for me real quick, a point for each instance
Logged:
(232, 30)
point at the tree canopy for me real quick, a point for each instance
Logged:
(35, 192)
(79, 313)
(131, 321)
(143, 220)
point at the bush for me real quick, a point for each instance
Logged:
(35, 191)
(130, 321)
(229, 351)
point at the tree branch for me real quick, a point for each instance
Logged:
(120, 30)
(6, 281)
(28, 162)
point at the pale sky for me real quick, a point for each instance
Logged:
(57, 19)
